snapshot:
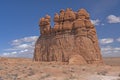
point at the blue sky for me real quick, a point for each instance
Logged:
(19, 23)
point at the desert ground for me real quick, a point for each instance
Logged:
(26, 69)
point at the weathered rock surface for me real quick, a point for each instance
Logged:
(73, 39)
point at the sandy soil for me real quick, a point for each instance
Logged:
(113, 61)
(26, 69)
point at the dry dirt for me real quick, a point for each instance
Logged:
(26, 69)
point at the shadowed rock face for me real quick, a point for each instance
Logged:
(73, 39)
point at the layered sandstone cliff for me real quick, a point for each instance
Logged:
(73, 39)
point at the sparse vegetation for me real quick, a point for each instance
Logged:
(65, 72)
(72, 77)
(102, 73)
(1, 78)
(31, 73)
(83, 69)
(45, 76)
(1, 68)
(118, 79)
(119, 74)
(36, 71)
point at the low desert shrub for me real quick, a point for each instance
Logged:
(45, 76)
(83, 69)
(31, 73)
(102, 73)
(1, 68)
(1, 78)
(118, 79)
(119, 74)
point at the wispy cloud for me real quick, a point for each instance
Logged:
(11, 53)
(108, 47)
(113, 19)
(95, 22)
(106, 40)
(24, 40)
(23, 47)
(110, 51)
(118, 39)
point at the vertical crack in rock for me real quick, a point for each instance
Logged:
(73, 39)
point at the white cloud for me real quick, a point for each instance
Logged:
(30, 39)
(22, 51)
(113, 19)
(16, 42)
(6, 53)
(14, 52)
(95, 22)
(110, 51)
(24, 40)
(106, 40)
(23, 47)
(118, 39)
(10, 53)
(102, 24)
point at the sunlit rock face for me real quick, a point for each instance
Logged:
(73, 39)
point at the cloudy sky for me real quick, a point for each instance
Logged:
(19, 23)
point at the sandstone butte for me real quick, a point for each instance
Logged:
(73, 39)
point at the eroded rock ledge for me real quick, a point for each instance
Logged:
(73, 39)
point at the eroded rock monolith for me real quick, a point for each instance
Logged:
(73, 39)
